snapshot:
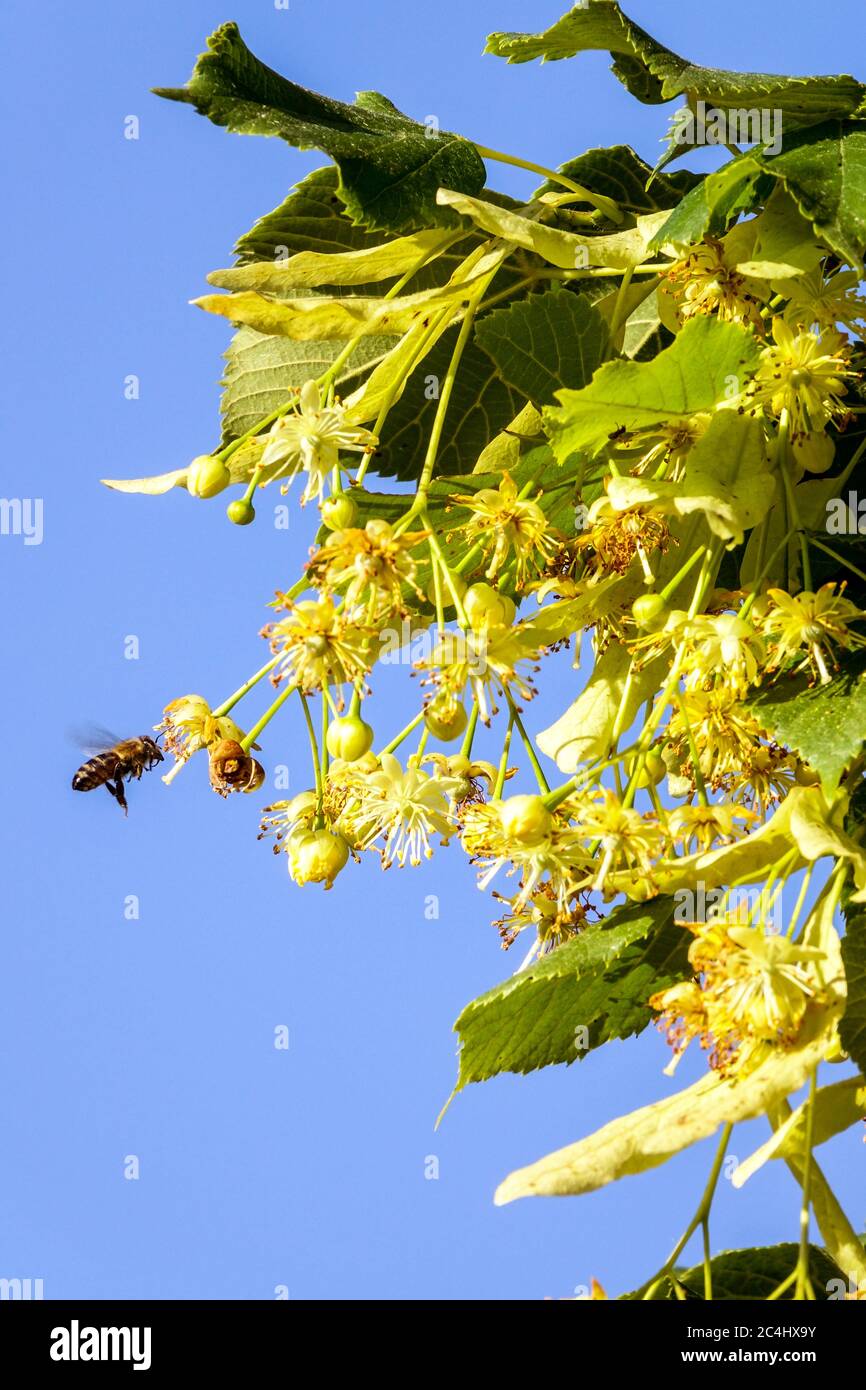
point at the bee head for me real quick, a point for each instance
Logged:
(153, 748)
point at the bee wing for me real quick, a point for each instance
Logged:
(92, 738)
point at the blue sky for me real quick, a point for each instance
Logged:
(154, 1037)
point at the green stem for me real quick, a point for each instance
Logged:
(618, 317)
(247, 743)
(783, 455)
(672, 585)
(314, 749)
(586, 195)
(247, 686)
(700, 784)
(527, 743)
(503, 761)
(466, 745)
(442, 406)
(403, 734)
(700, 1217)
(803, 1281)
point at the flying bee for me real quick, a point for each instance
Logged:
(126, 758)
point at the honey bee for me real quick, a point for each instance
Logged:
(126, 758)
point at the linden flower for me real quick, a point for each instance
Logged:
(368, 564)
(812, 623)
(724, 644)
(725, 734)
(625, 836)
(506, 524)
(814, 302)
(542, 915)
(482, 660)
(752, 990)
(309, 440)
(766, 987)
(318, 645)
(554, 862)
(805, 373)
(768, 777)
(700, 827)
(188, 726)
(283, 818)
(618, 536)
(704, 283)
(468, 773)
(401, 807)
(668, 443)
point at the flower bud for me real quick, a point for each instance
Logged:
(649, 610)
(241, 512)
(349, 738)
(207, 476)
(487, 607)
(652, 770)
(525, 819)
(340, 511)
(446, 718)
(316, 856)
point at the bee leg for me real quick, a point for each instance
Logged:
(116, 790)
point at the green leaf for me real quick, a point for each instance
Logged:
(823, 169)
(584, 731)
(726, 477)
(321, 318)
(390, 166)
(785, 245)
(753, 1274)
(836, 1108)
(852, 1028)
(481, 405)
(825, 724)
(804, 821)
(617, 250)
(654, 74)
(654, 1133)
(153, 486)
(261, 369)
(709, 209)
(545, 342)
(694, 374)
(600, 982)
(618, 173)
(311, 269)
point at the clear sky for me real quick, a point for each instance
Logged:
(154, 1037)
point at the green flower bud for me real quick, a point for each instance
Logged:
(207, 476)
(241, 512)
(340, 511)
(317, 856)
(649, 610)
(445, 718)
(525, 819)
(349, 738)
(487, 607)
